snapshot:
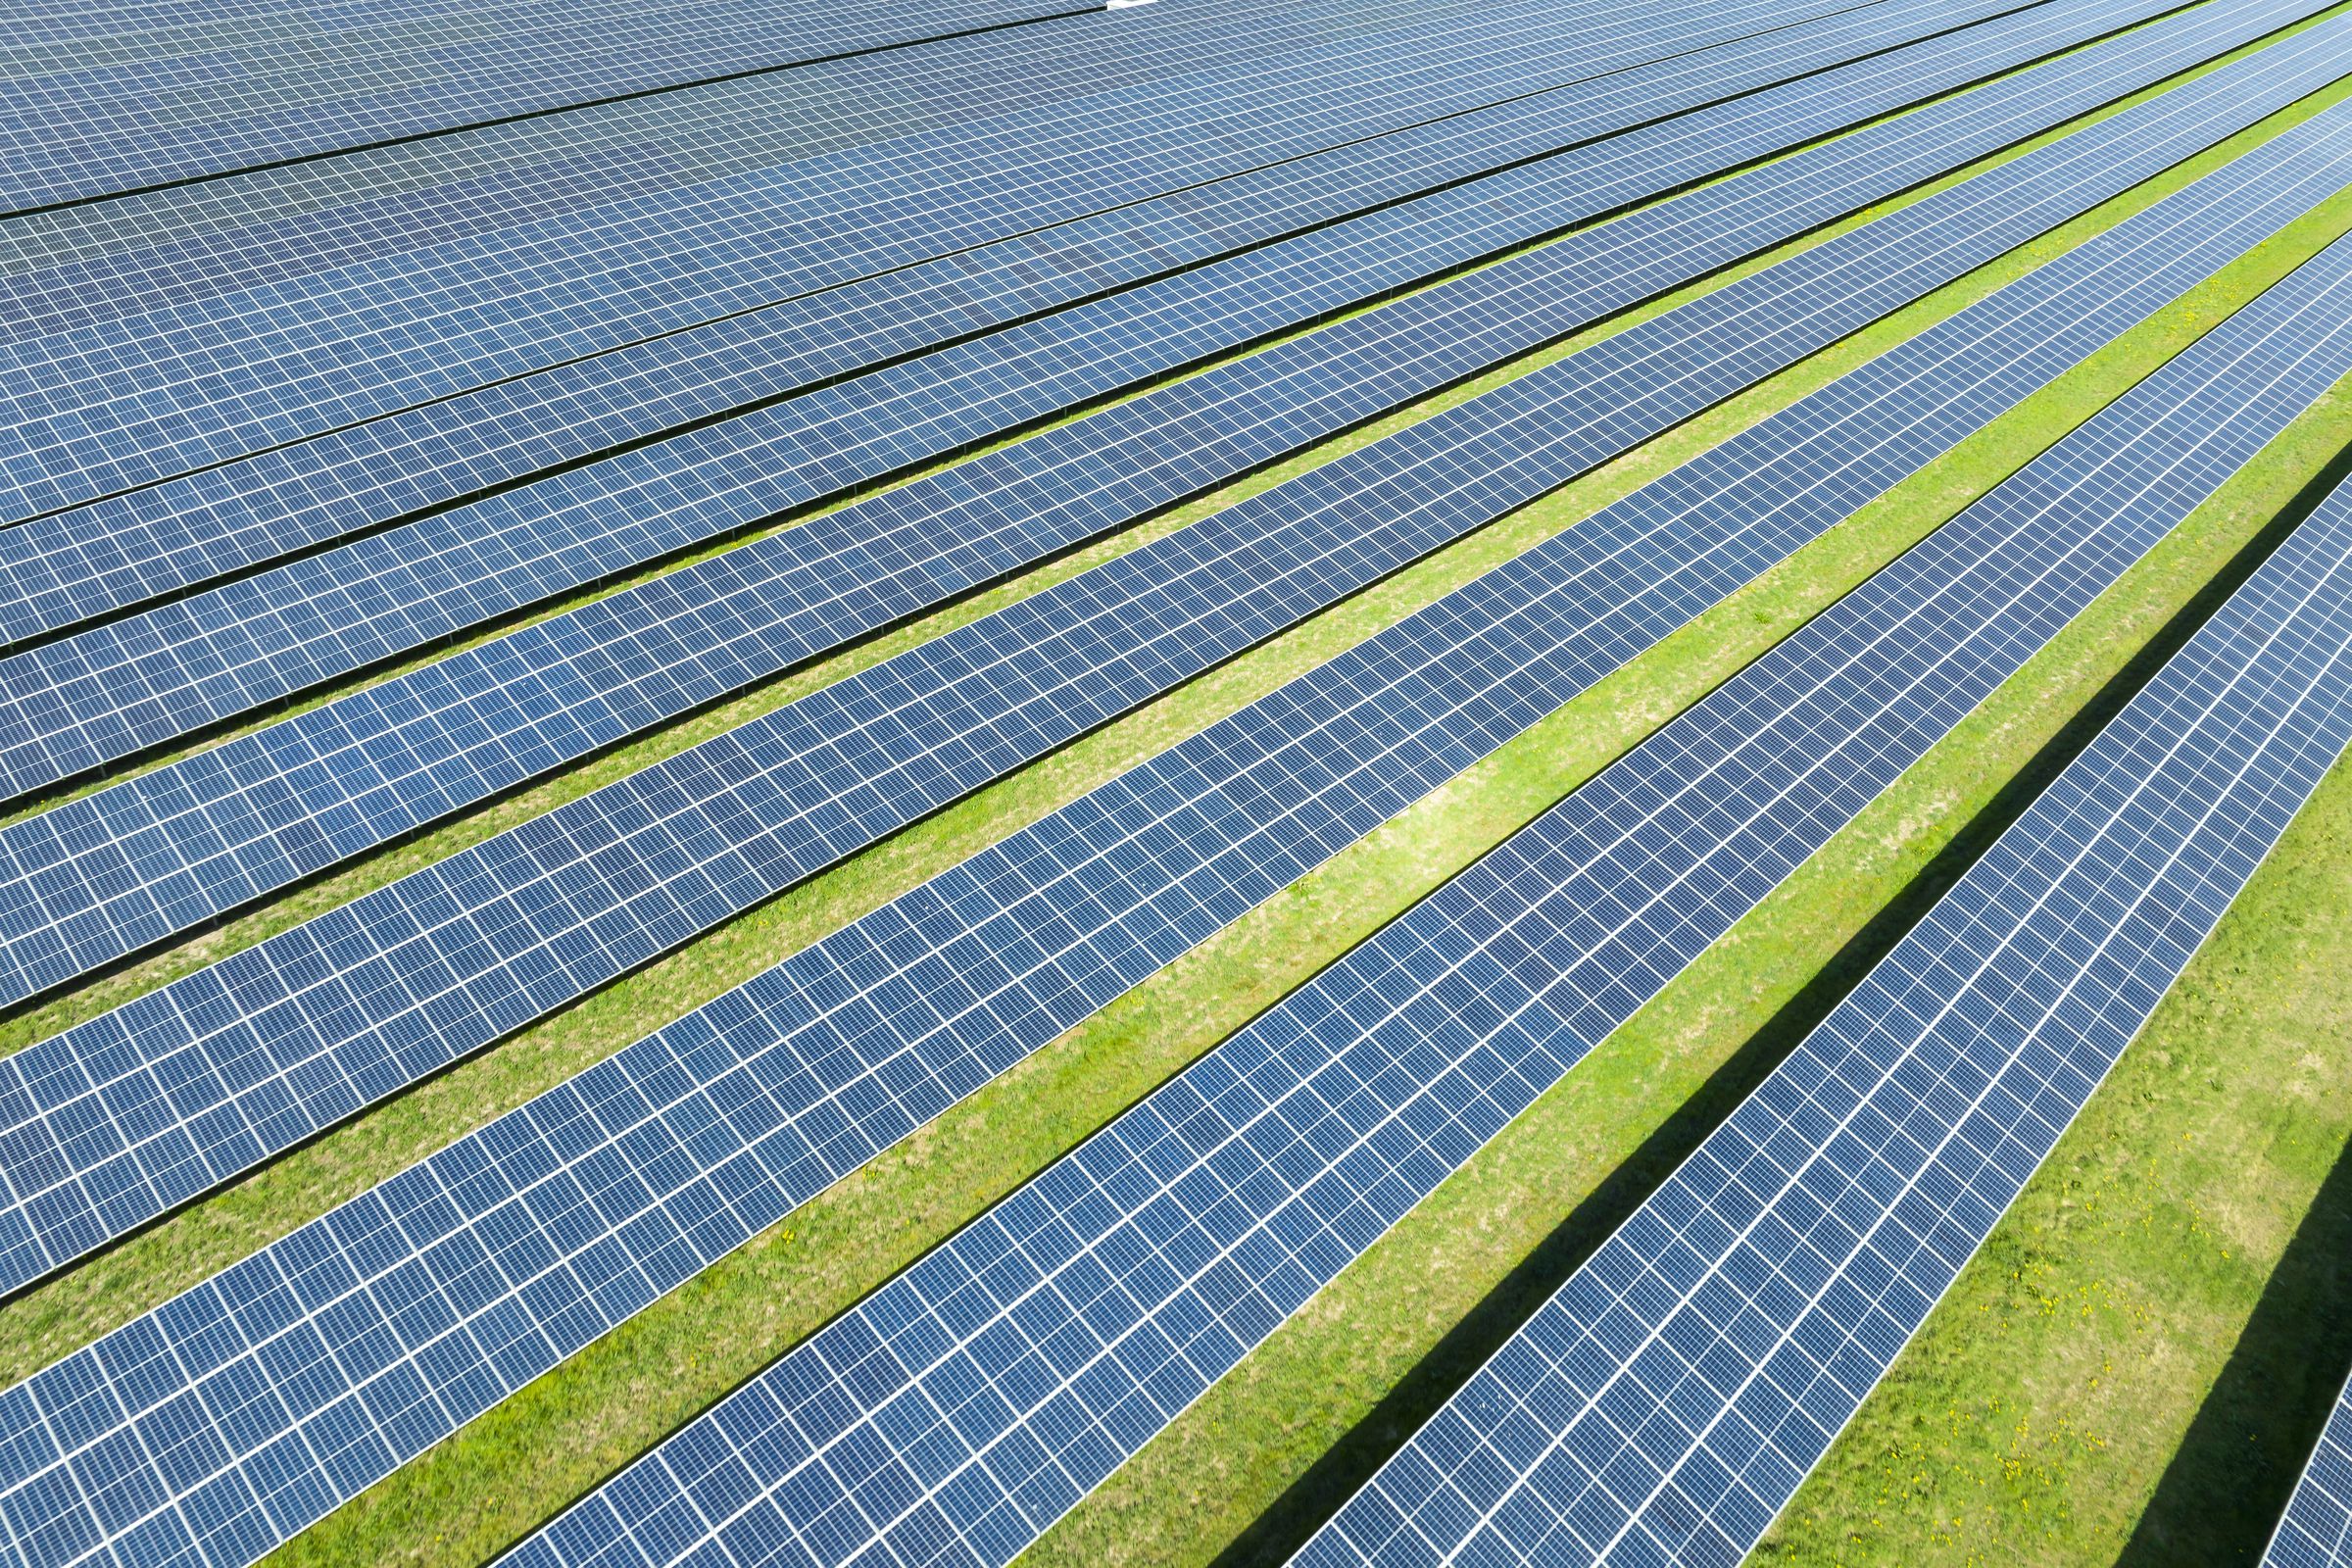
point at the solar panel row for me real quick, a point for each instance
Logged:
(127, 1115)
(2316, 1529)
(92, 879)
(1667, 1402)
(453, 1284)
(966, 1404)
(90, 118)
(113, 689)
(106, 556)
(169, 386)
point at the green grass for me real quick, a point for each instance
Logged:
(1325, 1394)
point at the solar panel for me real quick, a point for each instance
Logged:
(110, 555)
(2316, 1529)
(72, 705)
(1668, 1401)
(142, 1107)
(208, 95)
(386, 1322)
(961, 1409)
(96, 879)
(168, 386)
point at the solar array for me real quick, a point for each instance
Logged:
(163, 851)
(120, 1118)
(612, 1189)
(107, 556)
(224, 653)
(333, 332)
(486, 191)
(2315, 1531)
(962, 1407)
(1665, 1404)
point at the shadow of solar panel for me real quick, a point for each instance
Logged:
(1670, 1399)
(121, 1117)
(385, 1324)
(110, 555)
(94, 879)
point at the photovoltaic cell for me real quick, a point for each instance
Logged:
(72, 705)
(384, 1323)
(94, 879)
(113, 553)
(957, 1412)
(1668, 1401)
(175, 385)
(2316, 1529)
(92, 117)
(124, 1116)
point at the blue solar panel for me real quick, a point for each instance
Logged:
(88, 118)
(164, 850)
(957, 1412)
(71, 704)
(166, 384)
(107, 556)
(2316, 1529)
(1668, 1401)
(141, 1108)
(383, 1323)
